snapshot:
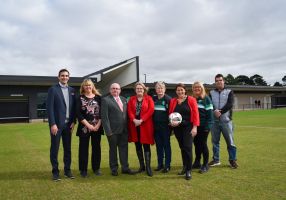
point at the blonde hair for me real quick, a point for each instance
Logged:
(144, 87)
(89, 82)
(203, 94)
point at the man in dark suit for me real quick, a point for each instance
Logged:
(114, 122)
(61, 116)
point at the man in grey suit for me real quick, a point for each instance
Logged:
(114, 122)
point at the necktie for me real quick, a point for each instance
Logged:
(119, 103)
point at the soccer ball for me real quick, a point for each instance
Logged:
(175, 118)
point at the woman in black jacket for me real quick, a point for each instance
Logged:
(88, 114)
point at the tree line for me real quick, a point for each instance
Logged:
(256, 80)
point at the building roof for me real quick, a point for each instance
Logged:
(235, 88)
(124, 73)
(35, 80)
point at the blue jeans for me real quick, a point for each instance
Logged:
(226, 128)
(163, 147)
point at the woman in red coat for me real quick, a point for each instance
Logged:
(187, 129)
(140, 109)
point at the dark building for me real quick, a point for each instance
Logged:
(23, 98)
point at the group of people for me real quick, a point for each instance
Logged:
(143, 120)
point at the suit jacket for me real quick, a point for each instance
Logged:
(56, 106)
(114, 121)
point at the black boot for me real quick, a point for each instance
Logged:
(183, 171)
(188, 175)
(196, 164)
(148, 163)
(141, 161)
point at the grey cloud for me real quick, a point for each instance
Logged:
(177, 41)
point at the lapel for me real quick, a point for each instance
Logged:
(70, 97)
(61, 94)
(116, 104)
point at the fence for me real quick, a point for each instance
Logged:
(263, 106)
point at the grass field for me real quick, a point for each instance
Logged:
(25, 170)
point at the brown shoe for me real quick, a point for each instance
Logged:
(233, 164)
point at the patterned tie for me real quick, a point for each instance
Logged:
(119, 103)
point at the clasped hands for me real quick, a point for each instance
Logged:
(137, 122)
(92, 128)
(217, 113)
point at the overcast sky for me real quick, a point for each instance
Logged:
(176, 40)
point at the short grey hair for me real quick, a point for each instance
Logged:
(160, 84)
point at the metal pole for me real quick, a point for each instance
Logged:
(145, 77)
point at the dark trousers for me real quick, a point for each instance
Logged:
(146, 147)
(119, 141)
(201, 146)
(65, 134)
(163, 147)
(138, 144)
(185, 140)
(95, 152)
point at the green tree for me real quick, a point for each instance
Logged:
(284, 80)
(258, 80)
(277, 84)
(243, 80)
(230, 80)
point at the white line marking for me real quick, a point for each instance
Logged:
(282, 128)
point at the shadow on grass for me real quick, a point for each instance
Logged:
(46, 175)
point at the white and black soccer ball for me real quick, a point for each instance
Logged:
(175, 118)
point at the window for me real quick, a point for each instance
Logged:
(41, 105)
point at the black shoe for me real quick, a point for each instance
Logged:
(188, 175)
(114, 173)
(159, 168)
(183, 171)
(166, 170)
(141, 169)
(56, 177)
(97, 172)
(69, 175)
(83, 174)
(214, 163)
(128, 171)
(196, 165)
(204, 169)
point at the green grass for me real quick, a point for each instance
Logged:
(25, 171)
